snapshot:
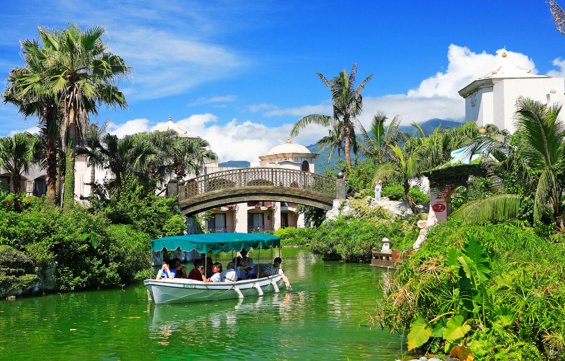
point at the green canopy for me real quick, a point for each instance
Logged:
(216, 242)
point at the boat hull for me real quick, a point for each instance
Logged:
(178, 290)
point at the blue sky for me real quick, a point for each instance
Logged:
(240, 73)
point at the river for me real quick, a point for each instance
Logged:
(324, 317)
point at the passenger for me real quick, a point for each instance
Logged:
(275, 269)
(246, 268)
(208, 266)
(229, 275)
(179, 268)
(217, 276)
(197, 272)
(165, 271)
(237, 262)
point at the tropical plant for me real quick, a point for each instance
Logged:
(347, 104)
(376, 142)
(80, 71)
(188, 156)
(17, 154)
(401, 165)
(544, 145)
(94, 158)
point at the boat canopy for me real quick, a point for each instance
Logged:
(216, 242)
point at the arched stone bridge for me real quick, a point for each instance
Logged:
(256, 184)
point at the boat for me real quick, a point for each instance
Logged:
(181, 290)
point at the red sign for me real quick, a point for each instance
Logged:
(438, 207)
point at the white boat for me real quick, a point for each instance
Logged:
(180, 290)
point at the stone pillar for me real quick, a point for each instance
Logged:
(241, 217)
(172, 188)
(276, 215)
(340, 191)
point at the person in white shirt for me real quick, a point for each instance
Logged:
(165, 271)
(275, 269)
(229, 275)
(216, 276)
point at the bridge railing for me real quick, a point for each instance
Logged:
(254, 177)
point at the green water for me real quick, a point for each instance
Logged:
(325, 317)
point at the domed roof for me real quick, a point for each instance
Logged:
(288, 147)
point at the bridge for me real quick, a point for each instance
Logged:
(256, 184)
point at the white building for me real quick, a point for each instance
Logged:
(264, 216)
(491, 99)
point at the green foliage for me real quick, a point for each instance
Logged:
(147, 212)
(17, 271)
(295, 236)
(483, 290)
(87, 249)
(393, 192)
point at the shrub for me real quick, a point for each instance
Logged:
(295, 236)
(17, 271)
(492, 291)
(393, 192)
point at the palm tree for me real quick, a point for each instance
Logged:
(347, 104)
(544, 144)
(188, 156)
(376, 142)
(17, 154)
(26, 91)
(93, 137)
(403, 166)
(82, 73)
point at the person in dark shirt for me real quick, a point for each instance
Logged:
(197, 272)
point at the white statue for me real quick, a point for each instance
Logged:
(378, 188)
(386, 246)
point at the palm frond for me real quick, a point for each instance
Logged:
(499, 208)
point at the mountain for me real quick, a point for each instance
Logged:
(429, 126)
(235, 164)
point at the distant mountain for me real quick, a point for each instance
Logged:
(429, 126)
(235, 164)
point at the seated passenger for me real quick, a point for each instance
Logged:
(246, 267)
(178, 268)
(208, 266)
(237, 262)
(197, 273)
(217, 276)
(165, 271)
(229, 275)
(275, 269)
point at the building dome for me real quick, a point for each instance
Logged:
(288, 147)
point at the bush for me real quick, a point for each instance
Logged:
(393, 192)
(418, 196)
(17, 271)
(88, 250)
(295, 236)
(494, 291)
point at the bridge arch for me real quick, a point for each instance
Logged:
(256, 184)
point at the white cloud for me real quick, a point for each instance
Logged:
(130, 127)
(32, 130)
(559, 63)
(259, 107)
(435, 97)
(218, 99)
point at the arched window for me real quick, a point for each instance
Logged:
(305, 166)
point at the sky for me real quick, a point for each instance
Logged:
(240, 73)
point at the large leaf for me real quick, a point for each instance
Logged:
(500, 208)
(420, 331)
(455, 328)
(477, 253)
(462, 353)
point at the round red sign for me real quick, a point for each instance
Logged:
(438, 207)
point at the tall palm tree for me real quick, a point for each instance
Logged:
(17, 154)
(377, 141)
(544, 145)
(31, 96)
(347, 104)
(82, 73)
(93, 137)
(403, 166)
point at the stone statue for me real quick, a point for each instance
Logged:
(378, 189)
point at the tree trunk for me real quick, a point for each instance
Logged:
(92, 179)
(69, 195)
(409, 199)
(17, 185)
(51, 171)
